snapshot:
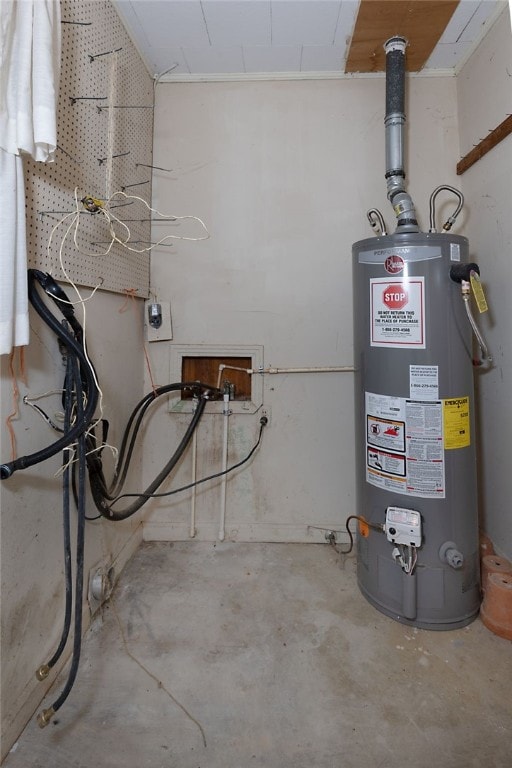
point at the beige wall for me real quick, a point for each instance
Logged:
(283, 174)
(484, 92)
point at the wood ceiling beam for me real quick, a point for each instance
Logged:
(422, 22)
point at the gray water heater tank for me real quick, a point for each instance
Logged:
(415, 431)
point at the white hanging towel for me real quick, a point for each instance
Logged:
(29, 85)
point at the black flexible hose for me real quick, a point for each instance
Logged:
(99, 487)
(71, 373)
(91, 390)
(81, 387)
(79, 578)
(45, 716)
(111, 514)
(125, 454)
(68, 401)
(195, 483)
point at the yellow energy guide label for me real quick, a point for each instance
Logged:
(456, 424)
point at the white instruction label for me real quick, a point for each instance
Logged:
(404, 445)
(397, 312)
(454, 252)
(425, 448)
(424, 382)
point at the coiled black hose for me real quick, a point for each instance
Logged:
(110, 492)
(73, 344)
(102, 493)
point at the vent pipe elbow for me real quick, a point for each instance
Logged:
(394, 124)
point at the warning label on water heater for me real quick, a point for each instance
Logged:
(397, 312)
(405, 446)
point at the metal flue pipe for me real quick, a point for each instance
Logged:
(394, 122)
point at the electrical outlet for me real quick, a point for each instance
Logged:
(265, 412)
(164, 332)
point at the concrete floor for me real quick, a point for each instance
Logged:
(248, 655)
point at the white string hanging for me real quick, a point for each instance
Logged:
(96, 206)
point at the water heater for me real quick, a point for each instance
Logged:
(417, 558)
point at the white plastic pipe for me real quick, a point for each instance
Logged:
(306, 369)
(309, 369)
(223, 367)
(225, 412)
(194, 476)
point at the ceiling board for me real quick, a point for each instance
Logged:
(299, 37)
(250, 23)
(422, 22)
(171, 23)
(280, 58)
(220, 58)
(316, 58)
(459, 21)
(295, 22)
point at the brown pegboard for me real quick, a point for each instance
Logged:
(104, 101)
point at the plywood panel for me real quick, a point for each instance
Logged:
(206, 369)
(422, 22)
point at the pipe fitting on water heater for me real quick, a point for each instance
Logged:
(449, 553)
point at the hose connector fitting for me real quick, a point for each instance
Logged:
(43, 672)
(44, 717)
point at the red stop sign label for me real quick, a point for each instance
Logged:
(395, 296)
